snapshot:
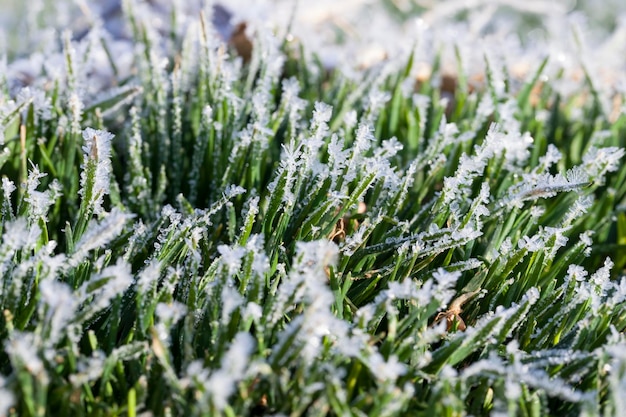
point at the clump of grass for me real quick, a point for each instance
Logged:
(214, 237)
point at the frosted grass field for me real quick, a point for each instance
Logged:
(370, 208)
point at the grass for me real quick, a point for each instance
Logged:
(218, 237)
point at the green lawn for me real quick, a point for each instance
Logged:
(188, 230)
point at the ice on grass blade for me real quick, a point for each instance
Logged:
(232, 191)
(23, 349)
(375, 101)
(363, 141)
(168, 315)
(551, 157)
(421, 103)
(535, 186)
(602, 283)
(311, 260)
(100, 233)
(95, 179)
(8, 187)
(321, 116)
(281, 187)
(310, 271)
(138, 179)
(76, 107)
(307, 286)
(457, 189)
(587, 241)
(253, 312)
(218, 386)
(230, 300)
(337, 158)
(19, 235)
(39, 201)
(531, 244)
(440, 287)
(427, 297)
(502, 138)
(385, 370)
(311, 144)
(89, 368)
(577, 210)
(231, 257)
(484, 110)
(260, 262)
(356, 239)
(557, 238)
(58, 307)
(292, 106)
(42, 104)
(97, 293)
(199, 151)
(597, 162)
(515, 372)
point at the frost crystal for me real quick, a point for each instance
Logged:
(576, 272)
(41, 103)
(231, 300)
(231, 257)
(322, 113)
(7, 188)
(221, 384)
(253, 311)
(39, 201)
(76, 111)
(149, 276)
(99, 234)
(597, 162)
(61, 305)
(389, 370)
(17, 235)
(167, 315)
(22, 348)
(115, 279)
(89, 368)
(97, 149)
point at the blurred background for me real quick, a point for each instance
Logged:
(26, 26)
(350, 35)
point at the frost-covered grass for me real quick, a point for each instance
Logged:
(185, 232)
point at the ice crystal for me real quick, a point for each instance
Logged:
(40, 201)
(23, 349)
(89, 369)
(253, 311)
(598, 161)
(149, 276)
(221, 383)
(115, 278)
(97, 150)
(18, 234)
(385, 370)
(168, 315)
(422, 220)
(76, 111)
(60, 308)
(41, 103)
(231, 300)
(231, 257)
(100, 233)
